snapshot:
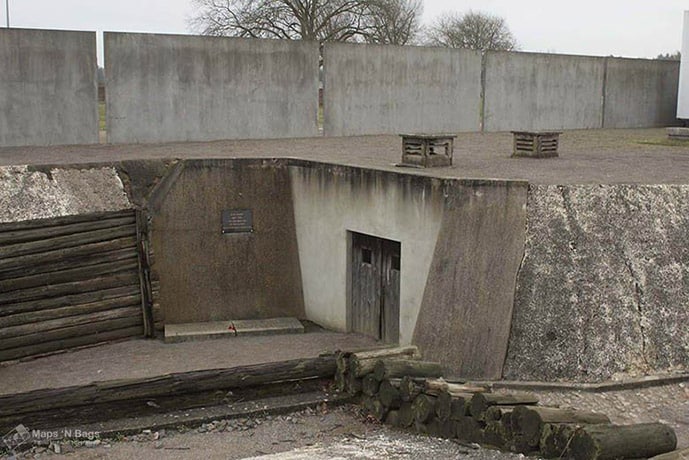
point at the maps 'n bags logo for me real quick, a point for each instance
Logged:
(15, 438)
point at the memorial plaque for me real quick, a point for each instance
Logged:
(237, 221)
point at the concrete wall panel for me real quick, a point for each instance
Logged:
(640, 93)
(604, 286)
(164, 88)
(466, 313)
(374, 89)
(329, 201)
(209, 276)
(48, 90)
(525, 91)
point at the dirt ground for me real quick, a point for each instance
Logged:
(339, 433)
(586, 156)
(146, 358)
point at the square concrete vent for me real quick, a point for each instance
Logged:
(536, 144)
(427, 150)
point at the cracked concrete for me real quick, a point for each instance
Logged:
(603, 291)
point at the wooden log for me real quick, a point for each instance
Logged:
(375, 408)
(423, 408)
(391, 368)
(45, 315)
(497, 435)
(528, 421)
(340, 379)
(498, 413)
(393, 418)
(440, 429)
(129, 263)
(406, 415)
(435, 386)
(363, 362)
(468, 429)
(480, 402)
(342, 360)
(353, 384)
(50, 260)
(602, 442)
(459, 407)
(73, 287)
(54, 222)
(71, 321)
(168, 385)
(410, 388)
(443, 405)
(69, 300)
(66, 241)
(370, 385)
(556, 439)
(116, 330)
(389, 394)
(682, 454)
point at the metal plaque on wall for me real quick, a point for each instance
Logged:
(237, 221)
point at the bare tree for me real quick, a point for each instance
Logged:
(474, 30)
(395, 22)
(378, 21)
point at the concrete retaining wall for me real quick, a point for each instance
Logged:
(374, 89)
(640, 93)
(466, 312)
(329, 201)
(209, 276)
(48, 90)
(525, 91)
(604, 285)
(163, 88)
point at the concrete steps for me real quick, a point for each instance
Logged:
(237, 328)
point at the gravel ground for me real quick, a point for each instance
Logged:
(341, 433)
(586, 156)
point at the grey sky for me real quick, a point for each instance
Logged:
(632, 28)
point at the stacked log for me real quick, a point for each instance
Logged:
(410, 393)
(353, 367)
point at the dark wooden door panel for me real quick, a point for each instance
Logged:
(390, 289)
(366, 272)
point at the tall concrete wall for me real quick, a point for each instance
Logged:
(48, 90)
(525, 91)
(640, 93)
(604, 285)
(163, 88)
(209, 276)
(466, 312)
(329, 201)
(382, 89)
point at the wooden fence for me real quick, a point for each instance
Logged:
(72, 281)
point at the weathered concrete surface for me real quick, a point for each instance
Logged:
(640, 93)
(48, 90)
(467, 306)
(163, 88)
(28, 192)
(209, 276)
(604, 285)
(683, 92)
(330, 201)
(528, 91)
(383, 89)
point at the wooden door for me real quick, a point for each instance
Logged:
(375, 275)
(390, 292)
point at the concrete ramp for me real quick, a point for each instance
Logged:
(218, 329)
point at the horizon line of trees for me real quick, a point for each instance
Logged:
(395, 22)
